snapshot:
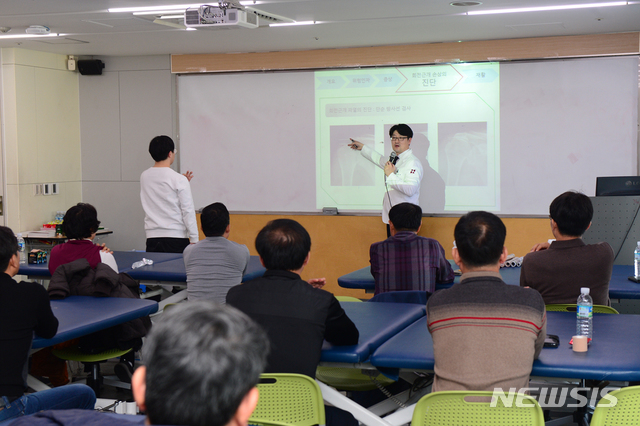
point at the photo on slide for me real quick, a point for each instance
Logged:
(348, 166)
(463, 155)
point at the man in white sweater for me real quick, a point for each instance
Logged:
(170, 218)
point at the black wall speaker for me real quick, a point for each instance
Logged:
(90, 66)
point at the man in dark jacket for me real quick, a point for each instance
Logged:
(25, 309)
(297, 315)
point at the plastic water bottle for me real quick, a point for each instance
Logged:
(22, 249)
(141, 263)
(636, 260)
(584, 314)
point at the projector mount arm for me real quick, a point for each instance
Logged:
(230, 4)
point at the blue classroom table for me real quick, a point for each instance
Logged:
(82, 315)
(612, 355)
(376, 323)
(619, 286)
(167, 267)
(124, 259)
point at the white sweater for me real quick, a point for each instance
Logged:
(168, 206)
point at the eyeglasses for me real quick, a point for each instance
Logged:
(398, 138)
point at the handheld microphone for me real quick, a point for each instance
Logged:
(393, 158)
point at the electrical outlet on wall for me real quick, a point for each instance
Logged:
(55, 188)
(46, 189)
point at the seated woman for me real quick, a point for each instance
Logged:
(80, 225)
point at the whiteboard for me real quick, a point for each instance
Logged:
(249, 138)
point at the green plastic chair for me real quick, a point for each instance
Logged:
(262, 422)
(351, 379)
(623, 412)
(348, 299)
(94, 379)
(571, 307)
(472, 408)
(290, 399)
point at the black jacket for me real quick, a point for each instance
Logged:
(297, 318)
(78, 279)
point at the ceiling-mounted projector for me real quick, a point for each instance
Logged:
(224, 15)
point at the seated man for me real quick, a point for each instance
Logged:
(297, 315)
(485, 333)
(214, 264)
(25, 309)
(406, 261)
(80, 225)
(559, 269)
(202, 363)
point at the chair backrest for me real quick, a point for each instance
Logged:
(348, 299)
(292, 399)
(571, 307)
(411, 296)
(470, 408)
(623, 411)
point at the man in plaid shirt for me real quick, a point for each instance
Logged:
(406, 261)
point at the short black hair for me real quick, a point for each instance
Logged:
(80, 221)
(402, 130)
(572, 212)
(160, 147)
(214, 220)
(480, 237)
(406, 217)
(283, 244)
(202, 358)
(8, 247)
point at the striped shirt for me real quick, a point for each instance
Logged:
(485, 333)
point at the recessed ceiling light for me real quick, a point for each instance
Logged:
(465, 3)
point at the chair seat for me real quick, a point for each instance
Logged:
(572, 307)
(351, 379)
(92, 363)
(74, 354)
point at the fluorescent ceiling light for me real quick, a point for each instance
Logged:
(2, 36)
(289, 24)
(171, 17)
(164, 8)
(157, 12)
(154, 8)
(540, 9)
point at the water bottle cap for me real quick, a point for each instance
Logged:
(584, 290)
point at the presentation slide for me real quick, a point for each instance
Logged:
(454, 112)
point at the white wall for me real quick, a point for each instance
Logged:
(41, 136)
(120, 112)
